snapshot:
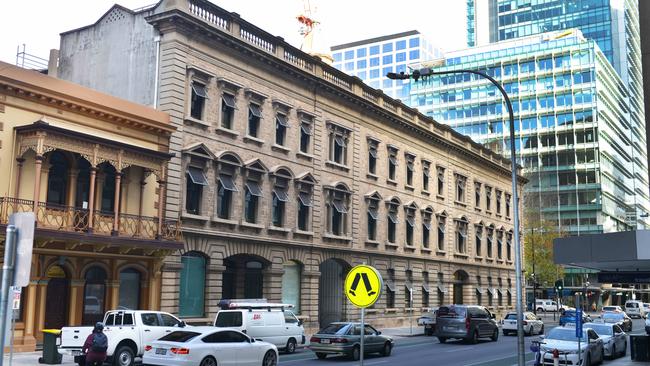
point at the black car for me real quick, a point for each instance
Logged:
(468, 322)
(623, 321)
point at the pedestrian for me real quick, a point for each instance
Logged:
(95, 346)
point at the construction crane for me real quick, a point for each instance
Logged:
(307, 24)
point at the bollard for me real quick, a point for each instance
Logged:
(556, 357)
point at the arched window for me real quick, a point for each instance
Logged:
(393, 220)
(108, 188)
(291, 285)
(337, 204)
(253, 280)
(129, 289)
(57, 180)
(94, 295)
(192, 286)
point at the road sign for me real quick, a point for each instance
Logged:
(363, 286)
(24, 222)
(578, 323)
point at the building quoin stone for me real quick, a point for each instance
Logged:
(287, 172)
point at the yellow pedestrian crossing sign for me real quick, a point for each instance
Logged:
(363, 285)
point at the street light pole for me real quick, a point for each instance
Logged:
(515, 196)
(532, 242)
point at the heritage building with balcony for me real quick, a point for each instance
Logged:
(92, 168)
(289, 172)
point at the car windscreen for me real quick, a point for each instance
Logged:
(615, 317)
(334, 329)
(452, 312)
(511, 316)
(179, 336)
(609, 308)
(565, 334)
(569, 313)
(602, 329)
(228, 319)
(429, 314)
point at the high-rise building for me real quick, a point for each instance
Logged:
(575, 133)
(371, 59)
(612, 24)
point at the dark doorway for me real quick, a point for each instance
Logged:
(94, 296)
(57, 180)
(460, 280)
(56, 298)
(331, 301)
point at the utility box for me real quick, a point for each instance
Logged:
(640, 347)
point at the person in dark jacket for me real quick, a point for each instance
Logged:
(94, 357)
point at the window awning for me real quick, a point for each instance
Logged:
(391, 285)
(427, 224)
(282, 120)
(442, 289)
(339, 141)
(480, 290)
(339, 206)
(306, 128)
(425, 287)
(410, 220)
(491, 291)
(228, 100)
(254, 188)
(228, 183)
(392, 216)
(392, 159)
(373, 152)
(197, 176)
(305, 199)
(373, 212)
(281, 194)
(409, 285)
(199, 90)
(255, 110)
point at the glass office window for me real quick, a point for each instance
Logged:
(349, 55)
(361, 52)
(387, 47)
(374, 50)
(400, 45)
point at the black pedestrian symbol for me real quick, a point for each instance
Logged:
(366, 282)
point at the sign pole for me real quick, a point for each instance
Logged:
(363, 326)
(7, 279)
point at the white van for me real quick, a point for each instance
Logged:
(269, 322)
(634, 308)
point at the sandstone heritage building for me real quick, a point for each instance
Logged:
(92, 168)
(286, 172)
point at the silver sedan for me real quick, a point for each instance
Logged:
(614, 339)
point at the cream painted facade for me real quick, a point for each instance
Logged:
(259, 121)
(62, 144)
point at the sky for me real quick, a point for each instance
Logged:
(37, 23)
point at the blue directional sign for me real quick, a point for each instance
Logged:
(578, 323)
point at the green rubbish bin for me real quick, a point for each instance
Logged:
(640, 347)
(51, 355)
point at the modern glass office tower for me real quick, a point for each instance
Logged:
(575, 135)
(613, 24)
(372, 59)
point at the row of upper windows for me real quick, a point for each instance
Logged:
(375, 49)
(376, 61)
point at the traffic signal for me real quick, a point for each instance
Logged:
(559, 285)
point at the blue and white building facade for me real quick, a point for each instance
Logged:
(372, 59)
(575, 133)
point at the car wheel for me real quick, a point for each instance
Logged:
(387, 349)
(541, 330)
(540, 310)
(208, 361)
(270, 359)
(495, 335)
(474, 338)
(442, 339)
(123, 356)
(356, 353)
(528, 332)
(291, 346)
(321, 355)
(588, 360)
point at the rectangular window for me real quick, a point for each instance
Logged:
(252, 196)
(400, 45)
(477, 194)
(254, 117)
(414, 55)
(199, 96)
(338, 143)
(392, 163)
(281, 125)
(373, 217)
(410, 169)
(305, 202)
(460, 188)
(337, 207)
(426, 228)
(227, 111)
(374, 50)
(498, 201)
(488, 198)
(410, 226)
(195, 182)
(478, 239)
(372, 156)
(425, 175)
(278, 204)
(441, 180)
(387, 47)
(441, 232)
(393, 220)
(225, 188)
(507, 205)
(305, 136)
(361, 52)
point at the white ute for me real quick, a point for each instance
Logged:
(128, 331)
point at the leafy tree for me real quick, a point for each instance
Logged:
(538, 248)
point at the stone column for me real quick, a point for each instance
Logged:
(273, 283)
(75, 310)
(213, 289)
(38, 165)
(143, 183)
(91, 198)
(113, 288)
(116, 204)
(19, 162)
(40, 308)
(161, 205)
(30, 312)
(309, 284)
(72, 187)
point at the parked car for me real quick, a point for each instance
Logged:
(428, 321)
(208, 346)
(614, 339)
(344, 338)
(647, 326)
(646, 307)
(543, 305)
(634, 308)
(269, 322)
(532, 324)
(128, 331)
(569, 316)
(469, 322)
(564, 340)
(611, 309)
(623, 321)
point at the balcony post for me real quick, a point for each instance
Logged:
(38, 165)
(161, 204)
(140, 204)
(19, 171)
(116, 205)
(91, 198)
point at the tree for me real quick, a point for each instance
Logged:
(538, 248)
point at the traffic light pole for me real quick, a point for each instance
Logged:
(532, 242)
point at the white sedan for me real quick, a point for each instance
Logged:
(614, 339)
(209, 346)
(532, 324)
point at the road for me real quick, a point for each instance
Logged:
(421, 350)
